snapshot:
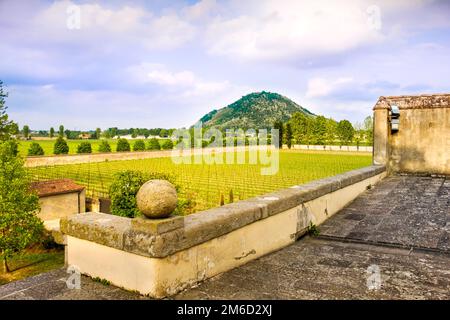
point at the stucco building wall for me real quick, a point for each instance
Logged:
(62, 205)
(422, 144)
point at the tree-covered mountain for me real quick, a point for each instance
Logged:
(255, 110)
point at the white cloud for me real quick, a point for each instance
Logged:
(320, 87)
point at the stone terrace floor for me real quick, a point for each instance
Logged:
(401, 227)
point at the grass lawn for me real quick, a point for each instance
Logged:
(32, 262)
(206, 184)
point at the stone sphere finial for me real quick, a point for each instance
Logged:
(157, 199)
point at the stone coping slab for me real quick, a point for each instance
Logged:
(163, 237)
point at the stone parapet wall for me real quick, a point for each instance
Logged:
(164, 256)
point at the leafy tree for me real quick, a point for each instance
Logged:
(98, 133)
(26, 131)
(7, 127)
(279, 125)
(299, 124)
(35, 149)
(19, 225)
(134, 133)
(345, 132)
(68, 133)
(368, 127)
(61, 131)
(153, 144)
(84, 147)
(139, 145)
(167, 145)
(163, 133)
(320, 130)
(60, 146)
(52, 132)
(288, 135)
(104, 146)
(330, 134)
(122, 145)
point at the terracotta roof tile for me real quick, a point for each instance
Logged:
(55, 187)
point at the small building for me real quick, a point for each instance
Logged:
(85, 136)
(59, 198)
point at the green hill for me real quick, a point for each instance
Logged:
(255, 110)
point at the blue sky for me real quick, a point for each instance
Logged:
(166, 63)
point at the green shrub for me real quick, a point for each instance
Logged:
(35, 149)
(104, 146)
(60, 146)
(139, 145)
(123, 145)
(84, 147)
(167, 145)
(125, 187)
(153, 144)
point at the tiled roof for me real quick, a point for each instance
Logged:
(55, 187)
(423, 101)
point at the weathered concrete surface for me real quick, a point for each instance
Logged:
(52, 286)
(320, 269)
(401, 211)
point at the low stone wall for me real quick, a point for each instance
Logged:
(333, 148)
(162, 257)
(115, 156)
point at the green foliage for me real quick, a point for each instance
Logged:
(98, 133)
(102, 281)
(61, 131)
(345, 132)
(19, 225)
(52, 132)
(84, 147)
(255, 110)
(279, 125)
(125, 187)
(167, 145)
(7, 127)
(139, 145)
(60, 146)
(104, 146)
(312, 230)
(26, 131)
(123, 145)
(368, 127)
(288, 135)
(35, 149)
(153, 144)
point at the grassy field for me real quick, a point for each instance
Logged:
(47, 145)
(206, 184)
(32, 262)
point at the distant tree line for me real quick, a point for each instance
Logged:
(319, 130)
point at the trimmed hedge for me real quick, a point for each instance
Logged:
(35, 149)
(84, 147)
(153, 144)
(167, 145)
(104, 146)
(123, 145)
(139, 145)
(60, 146)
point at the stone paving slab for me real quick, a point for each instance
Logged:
(52, 286)
(321, 269)
(404, 211)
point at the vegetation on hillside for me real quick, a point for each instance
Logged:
(256, 110)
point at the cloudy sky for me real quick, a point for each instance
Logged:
(165, 63)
